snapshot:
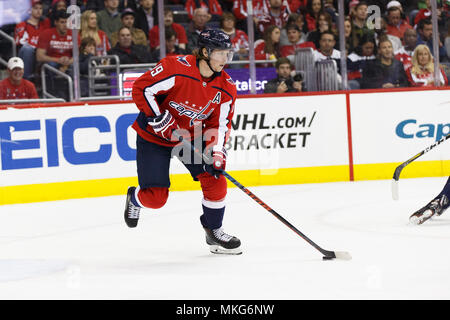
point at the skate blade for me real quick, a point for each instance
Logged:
(424, 217)
(220, 250)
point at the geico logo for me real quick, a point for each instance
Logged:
(246, 85)
(409, 129)
(49, 129)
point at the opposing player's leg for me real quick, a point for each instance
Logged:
(153, 162)
(435, 207)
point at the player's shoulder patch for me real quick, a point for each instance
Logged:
(183, 60)
(231, 81)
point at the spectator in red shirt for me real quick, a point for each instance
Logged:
(212, 6)
(295, 41)
(26, 35)
(404, 54)
(396, 26)
(181, 38)
(15, 87)
(55, 48)
(260, 8)
(55, 44)
(313, 9)
(269, 47)
(278, 15)
(421, 73)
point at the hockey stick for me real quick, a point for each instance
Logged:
(327, 255)
(398, 170)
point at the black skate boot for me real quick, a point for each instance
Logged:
(436, 206)
(222, 243)
(131, 214)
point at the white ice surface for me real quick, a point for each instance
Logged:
(82, 249)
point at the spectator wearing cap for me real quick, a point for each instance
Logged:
(284, 82)
(181, 37)
(26, 35)
(296, 41)
(137, 35)
(127, 51)
(55, 44)
(108, 19)
(89, 28)
(396, 22)
(197, 25)
(15, 87)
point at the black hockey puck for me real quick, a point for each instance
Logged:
(327, 258)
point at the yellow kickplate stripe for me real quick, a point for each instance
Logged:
(416, 169)
(179, 182)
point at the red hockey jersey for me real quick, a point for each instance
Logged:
(175, 84)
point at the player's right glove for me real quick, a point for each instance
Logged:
(164, 125)
(217, 167)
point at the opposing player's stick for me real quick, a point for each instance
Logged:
(327, 255)
(398, 170)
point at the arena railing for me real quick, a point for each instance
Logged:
(23, 101)
(13, 43)
(45, 93)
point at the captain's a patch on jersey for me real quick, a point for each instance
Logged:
(183, 60)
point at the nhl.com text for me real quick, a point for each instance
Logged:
(225, 310)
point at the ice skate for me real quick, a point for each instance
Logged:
(435, 207)
(221, 243)
(131, 213)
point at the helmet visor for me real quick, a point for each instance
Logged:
(222, 55)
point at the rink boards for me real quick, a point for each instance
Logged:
(76, 151)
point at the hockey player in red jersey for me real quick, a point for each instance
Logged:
(190, 96)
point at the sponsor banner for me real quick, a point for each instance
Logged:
(390, 128)
(48, 145)
(289, 132)
(241, 78)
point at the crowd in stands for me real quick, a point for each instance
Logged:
(391, 50)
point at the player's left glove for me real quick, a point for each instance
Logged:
(217, 167)
(164, 125)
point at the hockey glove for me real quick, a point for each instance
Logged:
(164, 125)
(217, 167)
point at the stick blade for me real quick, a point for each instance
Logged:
(395, 193)
(343, 255)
